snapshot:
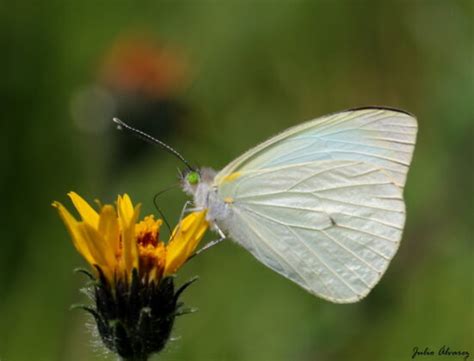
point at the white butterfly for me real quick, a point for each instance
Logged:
(321, 203)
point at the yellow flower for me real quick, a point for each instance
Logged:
(115, 241)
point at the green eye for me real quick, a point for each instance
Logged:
(193, 178)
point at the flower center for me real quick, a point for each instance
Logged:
(148, 239)
(151, 251)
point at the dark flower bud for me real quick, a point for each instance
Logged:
(134, 319)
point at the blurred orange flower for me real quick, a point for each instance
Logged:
(137, 64)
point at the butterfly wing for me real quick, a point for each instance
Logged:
(381, 136)
(322, 203)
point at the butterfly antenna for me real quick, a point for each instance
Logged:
(155, 202)
(121, 125)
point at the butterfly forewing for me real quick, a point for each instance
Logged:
(381, 137)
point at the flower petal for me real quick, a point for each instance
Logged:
(129, 245)
(77, 238)
(125, 207)
(109, 229)
(184, 240)
(87, 213)
(104, 256)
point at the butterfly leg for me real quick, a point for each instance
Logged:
(210, 244)
(185, 209)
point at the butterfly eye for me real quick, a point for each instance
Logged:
(193, 178)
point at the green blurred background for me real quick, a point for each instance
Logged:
(240, 72)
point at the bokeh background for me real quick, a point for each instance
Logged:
(213, 79)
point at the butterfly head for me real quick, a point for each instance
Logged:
(194, 179)
(190, 179)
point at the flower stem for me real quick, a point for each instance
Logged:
(141, 358)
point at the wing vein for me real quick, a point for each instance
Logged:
(312, 251)
(369, 115)
(371, 118)
(367, 145)
(352, 253)
(291, 226)
(350, 186)
(324, 263)
(391, 140)
(319, 173)
(275, 251)
(275, 205)
(369, 219)
(355, 152)
(368, 233)
(271, 219)
(358, 205)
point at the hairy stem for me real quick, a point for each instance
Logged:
(141, 358)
